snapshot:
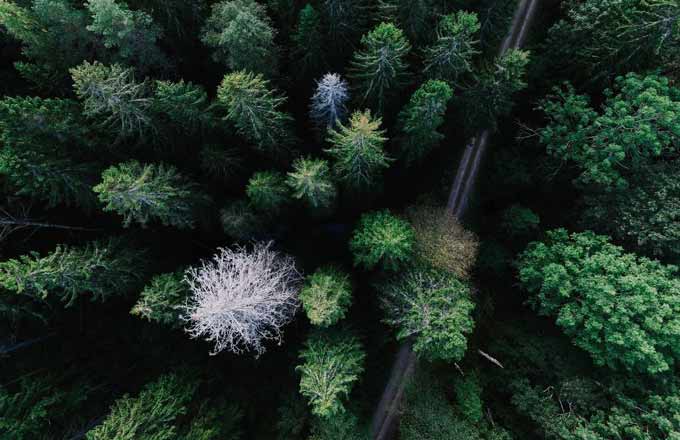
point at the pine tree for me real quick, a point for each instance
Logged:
(132, 35)
(326, 296)
(310, 182)
(379, 68)
(331, 363)
(181, 106)
(255, 110)
(450, 56)
(381, 238)
(163, 299)
(113, 98)
(420, 119)
(99, 269)
(267, 191)
(242, 36)
(141, 193)
(308, 41)
(328, 102)
(358, 151)
(41, 138)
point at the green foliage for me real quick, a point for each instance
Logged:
(468, 398)
(220, 162)
(382, 239)
(343, 426)
(433, 307)
(151, 415)
(163, 299)
(181, 106)
(255, 110)
(308, 44)
(450, 56)
(646, 216)
(215, 422)
(416, 17)
(112, 97)
(420, 119)
(638, 125)
(379, 68)
(519, 221)
(38, 410)
(54, 39)
(358, 151)
(242, 36)
(310, 181)
(40, 138)
(100, 269)
(326, 296)
(620, 308)
(239, 220)
(267, 191)
(131, 34)
(141, 193)
(331, 364)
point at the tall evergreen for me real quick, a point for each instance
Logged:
(308, 41)
(450, 55)
(311, 182)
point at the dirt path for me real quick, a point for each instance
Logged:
(384, 423)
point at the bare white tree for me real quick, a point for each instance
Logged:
(328, 102)
(242, 298)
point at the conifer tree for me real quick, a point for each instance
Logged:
(415, 17)
(450, 56)
(358, 151)
(163, 299)
(254, 109)
(379, 68)
(141, 193)
(132, 35)
(54, 38)
(181, 106)
(331, 364)
(381, 238)
(240, 220)
(99, 269)
(420, 119)
(326, 296)
(328, 102)
(308, 41)
(242, 36)
(310, 182)
(113, 98)
(344, 22)
(267, 191)
(433, 307)
(41, 138)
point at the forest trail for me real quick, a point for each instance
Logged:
(383, 425)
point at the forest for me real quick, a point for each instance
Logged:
(339, 219)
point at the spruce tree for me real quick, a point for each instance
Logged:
(326, 296)
(163, 299)
(382, 239)
(420, 119)
(310, 182)
(99, 269)
(358, 151)
(254, 109)
(450, 56)
(142, 193)
(268, 192)
(181, 107)
(242, 36)
(308, 41)
(328, 107)
(379, 69)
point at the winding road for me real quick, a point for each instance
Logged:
(384, 423)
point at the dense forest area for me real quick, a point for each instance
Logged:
(223, 220)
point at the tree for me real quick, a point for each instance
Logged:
(131, 34)
(416, 17)
(182, 106)
(620, 308)
(326, 296)
(141, 193)
(331, 364)
(381, 238)
(519, 221)
(112, 97)
(308, 40)
(379, 68)
(54, 39)
(603, 37)
(420, 119)
(636, 128)
(441, 241)
(358, 151)
(41, 138)
(255, 110)
(267, 191)
(342, 426)
(434, 308)
(153, 414)
(163, 299)
(242, 36)
(221, 163)
(239, 220)
(310, 181)
(344, 21)
(450, 56)
(100, 269)
(328, 102)
(242, 298)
